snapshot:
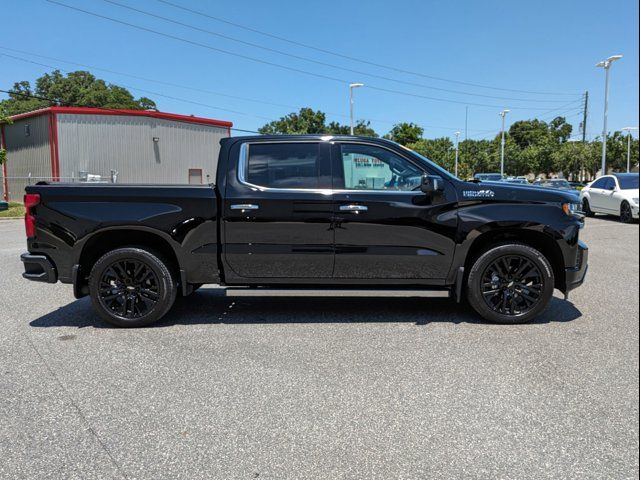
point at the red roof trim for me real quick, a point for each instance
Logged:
(124, 112)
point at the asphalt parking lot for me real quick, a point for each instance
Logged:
(322, 387)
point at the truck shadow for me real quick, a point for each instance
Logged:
(211, 306)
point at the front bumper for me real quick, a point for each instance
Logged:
(575, 275)
(634, 211)
(38, 268)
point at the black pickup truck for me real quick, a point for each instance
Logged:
(308, 212)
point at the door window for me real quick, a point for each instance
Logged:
(284, 165)
(367, 167)
(600, 183)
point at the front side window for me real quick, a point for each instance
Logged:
(367, 167)
(609, 183)
(600, 183)
(283, 165)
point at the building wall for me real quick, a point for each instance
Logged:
(141, 149)
(28, 152)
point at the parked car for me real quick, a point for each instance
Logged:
(558, 184)
(488, 177)
(519, 181)
(307, 212)
(615, 194)
(3, 206)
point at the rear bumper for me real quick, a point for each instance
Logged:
(38, 268)
(575, 275)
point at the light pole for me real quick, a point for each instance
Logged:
(351, 87)
(606, 64)
(628, 130)
(503, 114)
(457, 150)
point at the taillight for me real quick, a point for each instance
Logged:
(30, 201)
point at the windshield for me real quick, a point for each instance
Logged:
(441, 171)
(560, 184)
(629, 182)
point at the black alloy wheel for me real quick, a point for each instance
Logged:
(129, 289)
(586, 208)
(512, 285)
(626, 216)
(132, 287)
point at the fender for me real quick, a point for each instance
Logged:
(542, 221)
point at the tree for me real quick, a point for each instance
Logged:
(76, 89)
(306, 121)
(405, 133)
(4, 120)
(309, 121)
(560, 129)
(528, 132)
(362, 128)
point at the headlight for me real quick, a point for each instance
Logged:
(635, 200)
(572, 209)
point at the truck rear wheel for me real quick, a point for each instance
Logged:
(510, 283)
(131, 287)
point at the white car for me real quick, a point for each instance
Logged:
(615, 194)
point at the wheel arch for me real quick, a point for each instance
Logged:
(109, 239)
(543, 242)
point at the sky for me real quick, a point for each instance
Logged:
(447, 66)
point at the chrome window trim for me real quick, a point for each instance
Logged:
(243, 162)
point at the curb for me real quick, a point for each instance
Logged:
(10, 218)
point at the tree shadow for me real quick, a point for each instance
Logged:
(212, 306)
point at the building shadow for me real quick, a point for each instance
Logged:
(212, 306)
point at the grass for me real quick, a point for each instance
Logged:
(15, 210)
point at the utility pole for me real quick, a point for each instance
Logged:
(584, 116)
(457, 152)
(503, 114)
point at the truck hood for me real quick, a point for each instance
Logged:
(499, 191)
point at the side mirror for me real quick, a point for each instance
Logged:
(431, 184)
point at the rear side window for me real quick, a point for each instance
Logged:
(284, 165)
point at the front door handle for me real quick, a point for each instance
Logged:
(353, 208)
(244, 206)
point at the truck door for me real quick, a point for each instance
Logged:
(277, 206)
(386, 227)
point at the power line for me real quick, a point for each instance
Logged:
(56, 102)
(285, 67)
(348, 57)
(186, 87)
(324, 64)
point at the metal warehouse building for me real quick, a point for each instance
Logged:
(90, 144)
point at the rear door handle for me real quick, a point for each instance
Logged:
(353, 208)
(244, 206)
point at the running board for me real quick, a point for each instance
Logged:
(307, 292)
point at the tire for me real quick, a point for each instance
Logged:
(586, 208)
(626, 215)
(132, 287)
(500, 294)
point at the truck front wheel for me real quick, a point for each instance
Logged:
(510, 283)
(131, 287)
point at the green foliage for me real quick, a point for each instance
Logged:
(309, 121)
(306, 121)
(4, 119)
(15, 210)
(76, 89)
(405, 133)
